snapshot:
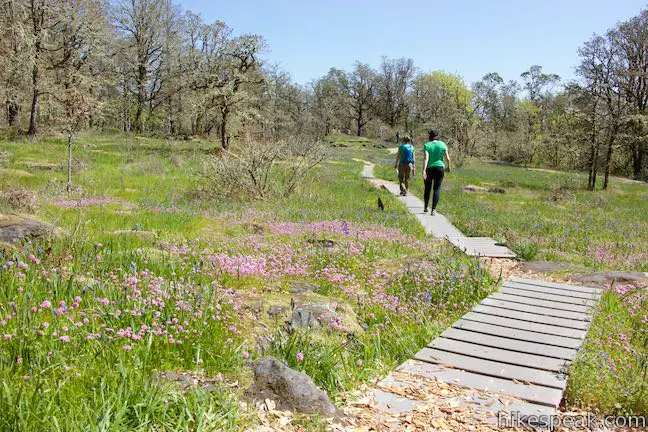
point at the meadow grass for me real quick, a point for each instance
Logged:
(548, 215)
(152, 277)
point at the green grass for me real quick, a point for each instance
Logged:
(202, 264)
(551, 216)
(88, 321)
(547, 215)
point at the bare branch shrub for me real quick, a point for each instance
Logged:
(260, 169)
(20, 200)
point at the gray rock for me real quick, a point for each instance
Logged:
(544, 266)
(303, 318)
(288, 388)
(16, 229)
(604, 279)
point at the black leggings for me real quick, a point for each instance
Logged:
(433, 174)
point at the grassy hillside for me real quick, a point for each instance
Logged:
(153, 279)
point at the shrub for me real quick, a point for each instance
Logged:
(21, 200)
(526, 250)
(260, 169)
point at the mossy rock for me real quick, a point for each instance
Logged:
(16, 229)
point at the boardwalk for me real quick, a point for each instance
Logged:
(439, 226)
(518, 342)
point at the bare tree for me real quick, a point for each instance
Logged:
(393, 80)
(14, 55)
(143, 25)
(360, 89)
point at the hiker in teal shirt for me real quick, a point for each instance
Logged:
(405, 164)
(436, 152)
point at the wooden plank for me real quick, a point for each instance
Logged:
(525, 325)
(536, 394)
(492, 368)
(517, 334)
(550, 290)
(542, 296)
(509, 344)
(557, 285)
(500, 355)
(542, 303)
(530, 317)
(536, 309)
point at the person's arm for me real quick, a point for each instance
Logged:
(397, 158)
(413, 161)
(447, 158)
(426, 157)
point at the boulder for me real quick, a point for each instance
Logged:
(288, 388)
(303, 318)
(16, 229)
(605, 279)
(544, 266)
(335, 316)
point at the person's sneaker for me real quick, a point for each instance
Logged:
(433, 212)
(424, 210)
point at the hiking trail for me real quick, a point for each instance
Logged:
(513, 349)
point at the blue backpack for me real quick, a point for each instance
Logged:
(406, 153)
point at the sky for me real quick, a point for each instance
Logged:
(470, 38)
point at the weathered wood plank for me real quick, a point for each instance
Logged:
(509, 344)
(557, 285)
(542, 296)
(525, 325)
(550, 290)
(536, 309)
(493, 368)
(500, 355)
(536, 394)
(517, 334)
(530, 317)
(543, 303)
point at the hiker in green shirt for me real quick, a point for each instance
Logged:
(436, 152)
(405, 164)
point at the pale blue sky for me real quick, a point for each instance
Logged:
(471, 38)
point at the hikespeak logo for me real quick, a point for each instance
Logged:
(587, 421)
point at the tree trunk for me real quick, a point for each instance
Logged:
(13, 110)
(223, 130)
(637, 160)
(33, 117)
(608, 157)
(69, 163)
(591, 185)
(141, 98)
